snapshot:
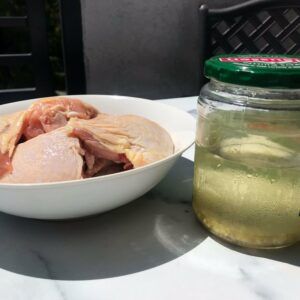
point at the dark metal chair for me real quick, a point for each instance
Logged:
(37, 58)
(257, 26)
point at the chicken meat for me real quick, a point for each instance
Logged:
(11, 129)
(62, 139)
(49, 157)
(42, 116)
(112, 141)
(51, 113)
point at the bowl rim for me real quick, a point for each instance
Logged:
(110, 176)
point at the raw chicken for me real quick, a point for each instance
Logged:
(11, 128)
(43, 116)
(51, 113)
(49, 157)
(129, 140)
(59, 139)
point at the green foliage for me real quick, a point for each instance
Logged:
(55, 47)
(12, 7)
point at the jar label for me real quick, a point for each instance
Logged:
(261, 59)
(259, 70)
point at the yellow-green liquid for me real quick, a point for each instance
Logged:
(247, 196)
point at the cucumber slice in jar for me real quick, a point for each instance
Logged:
(258, 149)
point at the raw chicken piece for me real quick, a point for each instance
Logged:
(43, 116)
(51, 113)
(49, 157)
(11, 128)
(126, 139)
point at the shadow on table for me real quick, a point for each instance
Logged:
(289, 255)
(150, 231)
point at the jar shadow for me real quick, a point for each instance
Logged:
(153, 230)
(289, 255)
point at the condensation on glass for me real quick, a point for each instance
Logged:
(247, 164)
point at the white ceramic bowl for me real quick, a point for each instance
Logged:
(79, 198)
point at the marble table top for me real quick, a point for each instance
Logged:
(153, 248)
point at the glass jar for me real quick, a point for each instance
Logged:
(247, 161)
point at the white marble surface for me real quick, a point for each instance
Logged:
(150, 249)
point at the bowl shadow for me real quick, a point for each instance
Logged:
(153, 230)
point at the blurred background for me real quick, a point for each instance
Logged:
(17, 40)
(152, 49)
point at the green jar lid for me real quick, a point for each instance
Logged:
(258, 70)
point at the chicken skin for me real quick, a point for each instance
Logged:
(49, 157)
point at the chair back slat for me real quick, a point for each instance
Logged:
(38, 57)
